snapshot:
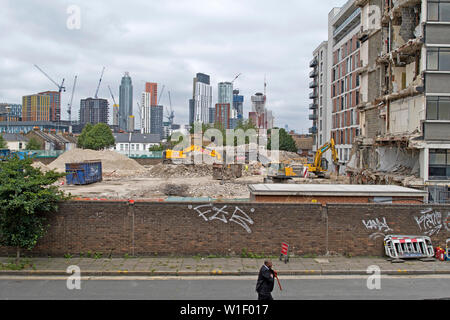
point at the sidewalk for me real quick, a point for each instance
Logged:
(196, 266)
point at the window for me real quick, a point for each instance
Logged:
(357, 97)
(439, 167)
(357, 80)
(438, 59)
(438, 11)
(438, 108)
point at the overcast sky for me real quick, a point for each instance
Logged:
(168, 42)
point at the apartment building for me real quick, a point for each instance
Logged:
(319, 84)
(404, 95)
(344, 61)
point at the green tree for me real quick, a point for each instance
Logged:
(33, 144)
(286, 141)
(3, 144)
(82, 138)
(26, 196)
(159, 147)
(96, 137)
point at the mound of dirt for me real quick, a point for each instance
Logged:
(112, 161)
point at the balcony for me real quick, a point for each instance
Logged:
(313, 74)
(313, 106)
(313, 95)
(313, 130)
(313, 116)
(313, 84)
(313, 63)
(349, 23)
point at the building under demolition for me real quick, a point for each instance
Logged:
(404, 103)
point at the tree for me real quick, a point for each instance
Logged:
(33, 144)
(286, 141)
(159, 147)
(96, 137)
(3, 144)
(26, 196)
(82, 138)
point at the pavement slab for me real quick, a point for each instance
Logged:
(234, 265)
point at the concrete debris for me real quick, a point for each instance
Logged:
(179, 190)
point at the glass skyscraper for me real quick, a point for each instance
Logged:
(125, 102)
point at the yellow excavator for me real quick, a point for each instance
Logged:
(280, 172)
(170, 155)
(320, 166)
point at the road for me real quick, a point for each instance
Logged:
(225, 288)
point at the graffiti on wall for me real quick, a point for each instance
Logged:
(431, 222)
(380, 227)
(209, 212)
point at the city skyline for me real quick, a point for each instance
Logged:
(232, 44)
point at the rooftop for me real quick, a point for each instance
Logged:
(334, 190)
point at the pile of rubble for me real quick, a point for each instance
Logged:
(179, 171)
(113, 163)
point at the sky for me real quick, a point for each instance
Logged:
(164, 41)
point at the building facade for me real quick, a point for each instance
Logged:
(10, 112)
(405, 97)
(223, 115)
(152, 88)
(94, 110)
(238, 104)
(319, 104)
(36, 107)
(55, 104)
(344, 63)
(125, 102)
(225, 93)
(201, 102)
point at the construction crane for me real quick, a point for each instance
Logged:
(60, 87)
(69, 106)
(112, 96)
(160, 94)
(236, 77)
(170, 115)
(99, 81)
(114, 101)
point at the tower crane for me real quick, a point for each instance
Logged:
(170, 115)
(114, 101)
(236, 77)
(98, 87)
(160, 94)
(69, 106)
(60, 87)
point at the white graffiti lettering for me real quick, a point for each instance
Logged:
(376, 224)
(380, 226)
(239, 216)
(430, 221)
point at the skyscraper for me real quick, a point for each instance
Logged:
(94, 110)
(201, 99)
(222, 115)
(152, 88)
(225, 93)
(238, 104)
(125, 102)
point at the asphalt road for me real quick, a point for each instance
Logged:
(225, 288)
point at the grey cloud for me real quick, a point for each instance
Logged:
(165, 41)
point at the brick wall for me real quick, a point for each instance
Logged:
(118, 228)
